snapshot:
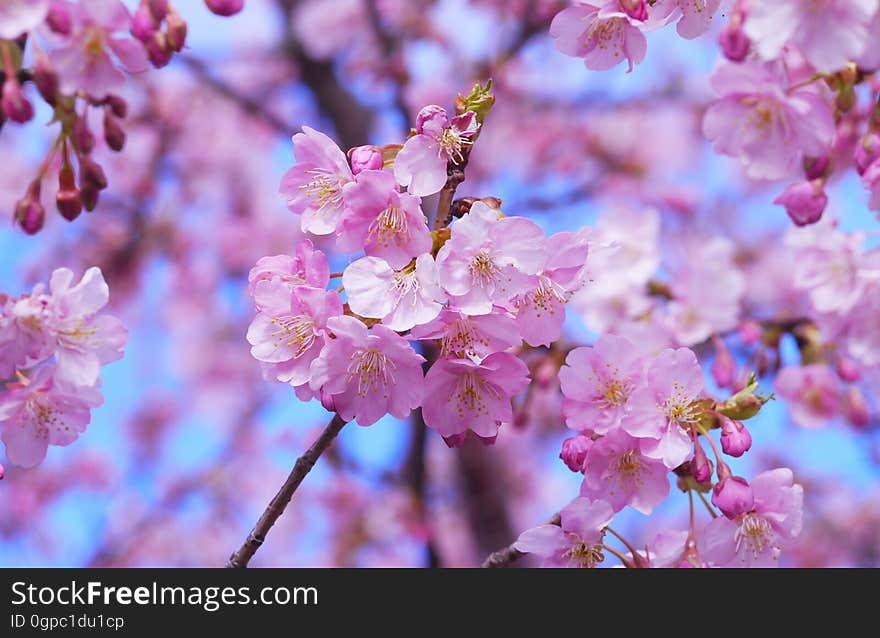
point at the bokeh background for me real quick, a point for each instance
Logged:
(191, 443)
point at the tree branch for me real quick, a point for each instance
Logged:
(275, 509)
(504, 557)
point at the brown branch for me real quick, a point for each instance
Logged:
(504, 557)
(275, 509)
(454, 177)
(250, 105)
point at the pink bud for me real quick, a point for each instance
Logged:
(365, 158)
(159, 50)
(733, 496)
(82, 137)
(159, 9)
(724, 367)
(225, 7)
(635, 9)
(58, 18)
(88, 195)
(113, 133)
(29, 211)
(574, 452)
(867, 151)
(735, 437)
(871, 179)
(143, 24)
(67, 200)
(804, 202)
(701, 466)
(14, 104)
(91, 173)
(750, 331)
(176, 33)
(734, 42)
(816, 167)
(2, 472)
(857, 411)
(46, 79)
(847, 369)
(118, 106)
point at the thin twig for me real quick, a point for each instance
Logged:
(276, 506)
(504, 557)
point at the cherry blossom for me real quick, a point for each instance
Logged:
(604, 35)
(812, 392)
(20, 16)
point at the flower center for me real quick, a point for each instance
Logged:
(325, 189)
(460, 339)
(93, 45)
(406, 283)
(390, 225)
(451, 144)
(296, 332)
(754, 535)
(627, 471)
(373, 371)
(483, 269)
(584, 555)
(469, 393)
(681, 409)
(45, 416)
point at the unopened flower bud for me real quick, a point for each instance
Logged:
(847, 369)
(46, 80)
(91, 174)
(635, 9)
(113, 133)
(58, 18)
(176, 31)
(735, 437)
(365, 158)
(857, 411)
(733, 496)
(67, 200)
(723, 367)
(158, 50)
(29, 211)
(734, 42)
(13, 102)
(143, 24)
(88, 195)
(118, 106)
(82, 137)
(159, 9)
(804, 202)
(749, 331)
(574, 452)
(867, 151)
(225, 7)
(701, 466)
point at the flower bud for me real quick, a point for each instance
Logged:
(871, 181)
(88, 195)
(734, 42)
(46, 79)
(857, 412)
(29, 211)
(749, 331)
(723, 367)
(159, 9)
(2, 472)
(67, 200)
(158, 50)
(82, 137)
(733, 496)
(91, 174)
(365, 158)
(58, 18)
(804, 202)
(735, 437)
(176, 31)
(113, 133)
(701, 466)
(118, 106)
(867, 151)
(574, 452)
(143, 24)
(847, 369)
(13, 102)
(225, 7)
(635, 9)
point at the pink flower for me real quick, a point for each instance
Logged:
(829, 33)
(383, 221)
(25, 338)
(541, 312)
(663, 409)
(616, 471)
(288, 331)
(488, 261)
(576, 542)
(473, 337)
(603, 35)
(754, 538)
(307, 268)
(694, 16)
(813, 393)
(84, 62)
(313, 185)
(574, 452)
(804, 201)
(871, 181)
(84, 340)
(43, 412)
(768, 126)
(420, 165)
(401, 299)
(462, 395)
(20, 16)
(368, 375)
(733, 496)
(597, 383)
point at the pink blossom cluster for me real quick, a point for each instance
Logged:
(53, 344)
(638, 418)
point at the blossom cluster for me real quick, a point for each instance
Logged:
(638, 418)
(53, 343)
(77, 55)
